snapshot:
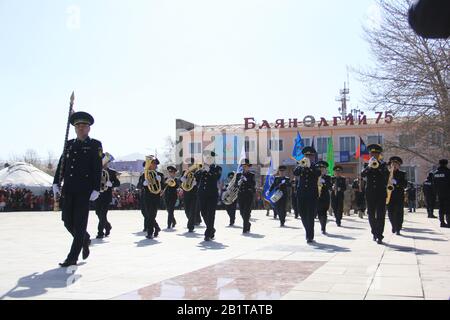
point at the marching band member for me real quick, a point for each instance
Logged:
(82, 174)
(140, 186)
(247, 189)
(430, 195)
(104, 199)
(208, 192)
(441, 180)
(171, 196)
(360, 201)
(395, 205)
(376, 174)
(281, 182)
(190, 199)
(337, 194)
(231, 208)
(307, 190)
(325, 183)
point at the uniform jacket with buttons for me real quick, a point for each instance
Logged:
(340, 185)
(428, 188)
(207, 181)
(171, 192)
(145, 192)
(399, 188)
(324, 197)
(377, 180)
(106, 196)
(278, 184)
(441, 180)
(307, 181)
(82, 166)
(248, 186)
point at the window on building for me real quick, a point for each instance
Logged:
(436, 139)
(374, 140)
(276, 145)
(347, 144)
(406, 140)
(307, 142)
(410, 173)
(250, 145)
(195, 147)
(322, 145)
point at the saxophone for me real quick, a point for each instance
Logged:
(154, 185)
(188, 184)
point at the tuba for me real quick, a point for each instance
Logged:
(188, 185)
(107, 158)
(230, 195)
(154, 185)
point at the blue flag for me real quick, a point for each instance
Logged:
(269, 180)
(298, 147)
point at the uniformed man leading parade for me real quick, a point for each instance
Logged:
(280, 183)
(247, 189)
(441, 180)
(307, 190)
(337, 194)
(82, 163)
(430, 195)
(377, 176)
(105, 198)
(207, 179)
(171, 195)
(325, 183)
(396, 202)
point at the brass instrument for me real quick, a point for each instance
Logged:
(153, 184)
(374, 163)
(105, 174)
(304, 163)
(390, 186)
(230, 195)
(319, 185)
(171, 182)
(188, 184)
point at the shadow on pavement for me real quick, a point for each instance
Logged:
(352, 228)
(191, 235)
(146, 242)
(338, 236)
(211, 245)
(423, 238)
(329, 247)
(421, 230)
(253, 235)
(409, 249)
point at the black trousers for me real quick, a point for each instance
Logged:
(444, 209)
(395, 212)
(322, 212)
(307, 206)
(279, 210)
(170, 206)
(231, 210)
(190, 207)
(208, 204)
(376, 210)
(337, 203)
(430, 202)
(142, 203)
(75, 214)
(151, 203)
(245, 208)
(295, 204)
(101, 210)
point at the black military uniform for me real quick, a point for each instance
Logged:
(396, 203)
(281, 183)
(140, 186)
(430, 195)
(337, 195)
(441, 180)
(360, 198)
(170, 199)
(324, 196)
(376, 185)
(208, 194)
(294, 197)
(247, 189)
(230, 208)
(151, 203)
(102, 205)
(191, 203)
(81, 183)
(308, 193)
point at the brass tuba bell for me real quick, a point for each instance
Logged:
(154, 185)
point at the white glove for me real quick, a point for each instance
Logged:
(244, 178)
(56, 189)
(183, 179)
(94, 195)
(145, 183)
(158, 177)
(322, 180)
(206, 167)
(283, 181)
(394, 181)
(194, 182)
(109, 184)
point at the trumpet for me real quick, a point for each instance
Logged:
(374, 163)
(304, 163)
(188, 184)
(154, 185)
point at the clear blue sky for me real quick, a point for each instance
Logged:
(138, 65)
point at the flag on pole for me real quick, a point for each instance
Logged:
(298, 147)
(269, 180)
(241, 159)
(362, 151)
(330, 156)
(316, 159)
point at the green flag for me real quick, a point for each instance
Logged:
(330, 156)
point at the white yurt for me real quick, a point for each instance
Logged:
(25, 175)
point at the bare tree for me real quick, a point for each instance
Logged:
(32, 157)
(411, 78)
(169, 151)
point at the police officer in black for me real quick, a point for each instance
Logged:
(208, 193)
(104, 200)
(376, 174)
(247, 189)
(396, 202)
(326, 184)
(81, 183)
(230, 208)
(152, 200)
(430, 195)
(281, 183)
(171, 195)
(337, 194)
(441, 180)
(307, 190)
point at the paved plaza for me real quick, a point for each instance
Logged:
(270, 263)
